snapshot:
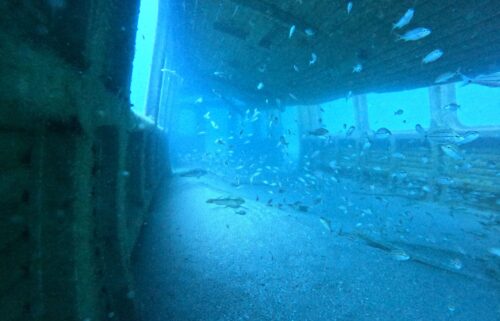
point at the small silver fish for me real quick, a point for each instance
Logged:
(313, 60)
(282, 141)
(315, 154)
(491, 80)
(292, 30)
(227, 201)
(349, 7)
(350, 131)
(319, 132)
(309, 32)
(432, 56)
(398, 155)
(468, 137)
(260, 85)
(197, 172)
(444, 181)
(451, 107)
(494, 250)
(444, 77)
(357, 68)
(420, 129)
(456, 264)
(444, 136)
(415, 34)
(404, 20)
(400, 174)
(219, 141)
(399, 255)
(452, 151)
(326, 223)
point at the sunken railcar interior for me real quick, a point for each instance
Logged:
(250, 160)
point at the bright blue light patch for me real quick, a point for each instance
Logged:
(339, 115)
(144, 46)
(479, 106)
(413, 107)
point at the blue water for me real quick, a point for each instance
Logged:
(337, 226)
(327, 230)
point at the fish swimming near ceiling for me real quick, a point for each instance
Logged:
(404, 20)
(319, 132)
(432, 56)
(227, 201)
(415, 34)
(445, 77)
(399, 112)
(490, 80)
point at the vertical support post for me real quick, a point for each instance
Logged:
(441, 119)
(440, 96)
(360, 105)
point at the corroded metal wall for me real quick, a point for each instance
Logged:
(78, 170)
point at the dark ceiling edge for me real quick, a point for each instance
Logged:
(270, 9)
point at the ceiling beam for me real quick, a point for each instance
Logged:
(274, 11)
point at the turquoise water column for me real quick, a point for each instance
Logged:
(443, 121)
(440, 96)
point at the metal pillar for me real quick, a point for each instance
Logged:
(440, 96)
(361, 110)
